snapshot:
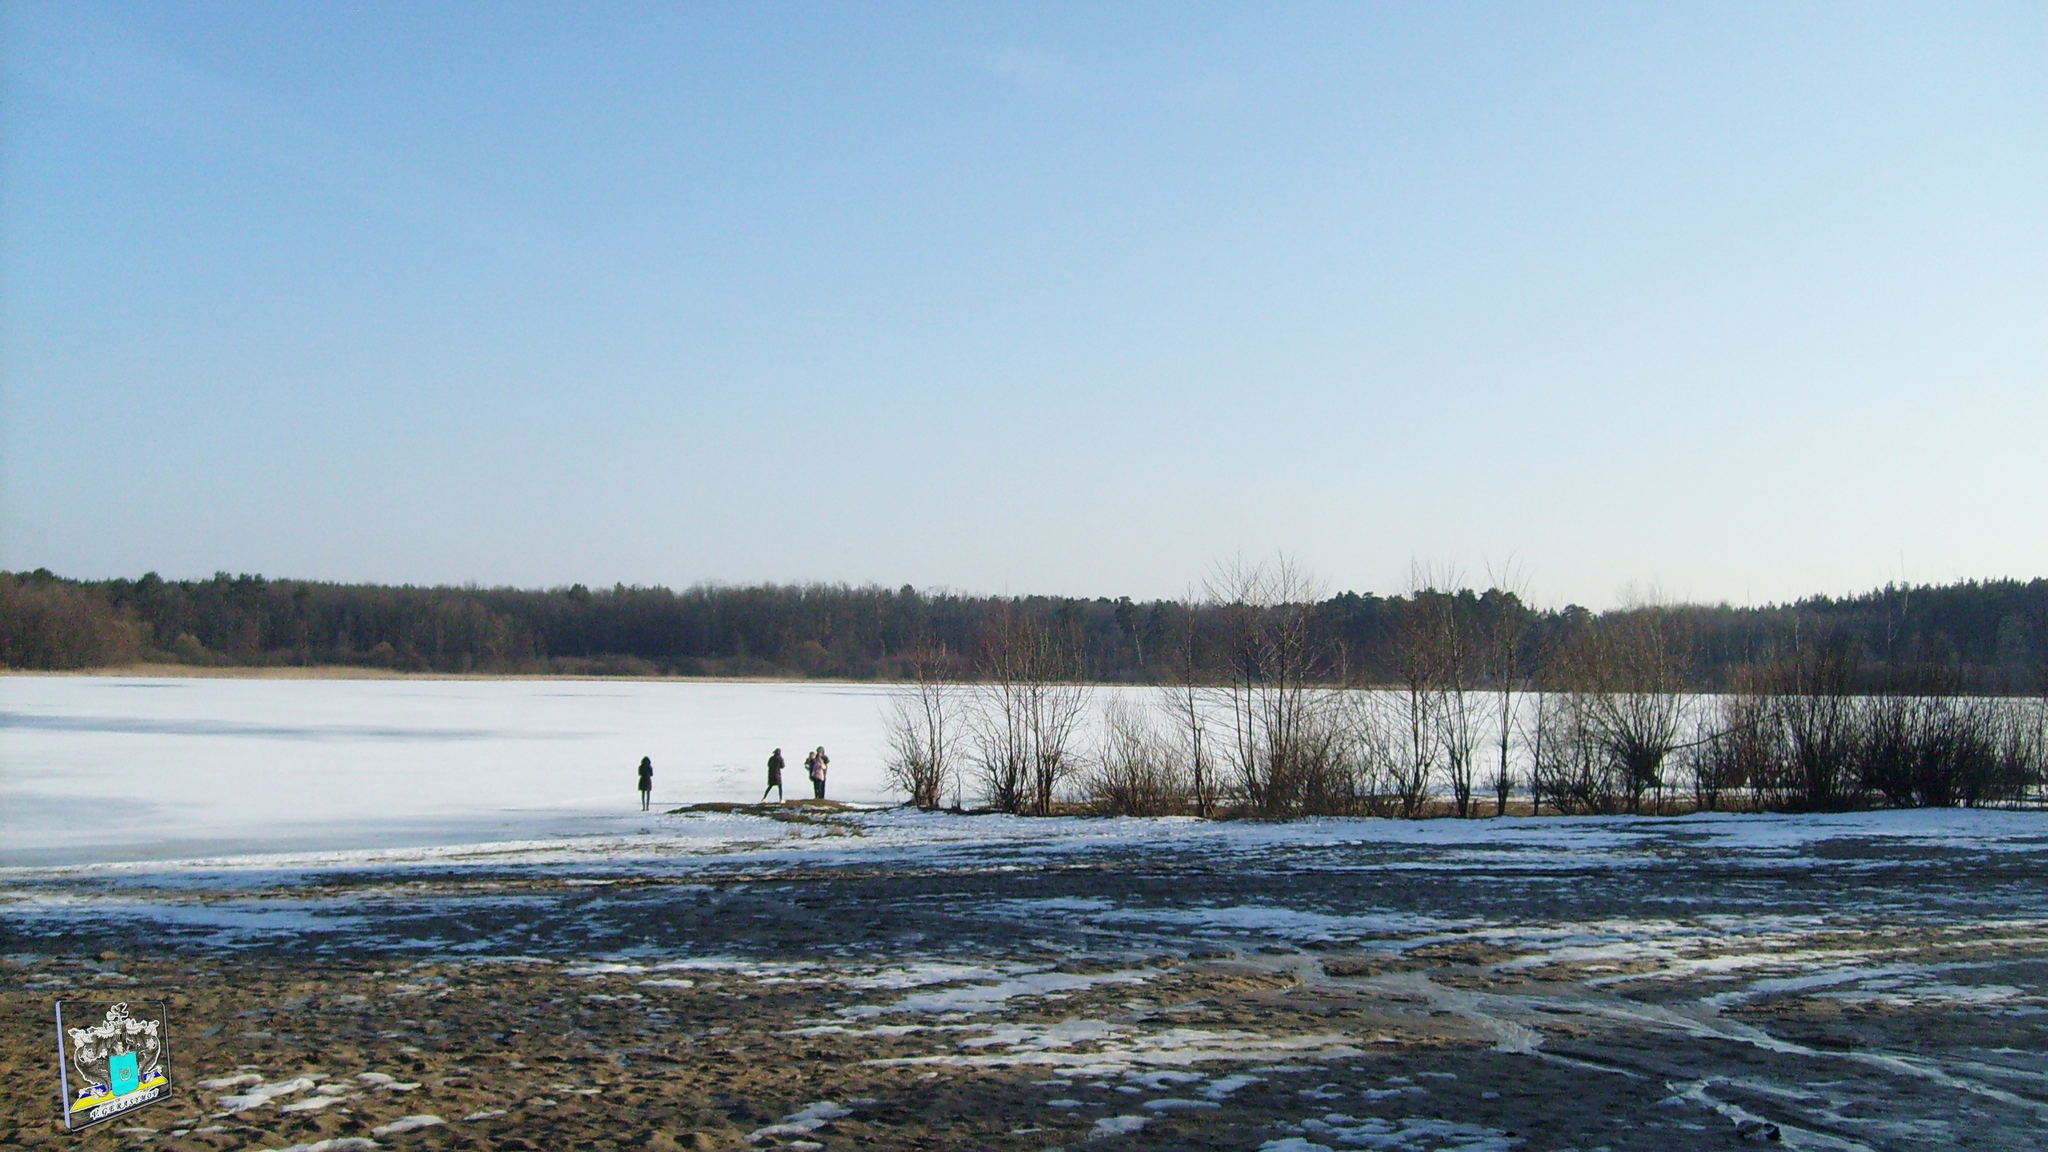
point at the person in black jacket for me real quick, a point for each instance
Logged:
(774, 778)
(646, 782)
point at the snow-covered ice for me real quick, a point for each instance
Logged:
(397, 772)
(107, 767)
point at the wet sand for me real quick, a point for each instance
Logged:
(1646, 991)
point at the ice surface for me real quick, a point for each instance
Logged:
(108, 767)
(250, 774)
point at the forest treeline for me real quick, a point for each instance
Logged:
(1985, 637)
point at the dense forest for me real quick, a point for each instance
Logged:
(1989, 636)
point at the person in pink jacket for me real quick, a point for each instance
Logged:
(815, 766)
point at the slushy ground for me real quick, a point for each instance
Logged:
(888, 979)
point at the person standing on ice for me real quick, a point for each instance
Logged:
(817, 764)
(646, 782)
(774, 778)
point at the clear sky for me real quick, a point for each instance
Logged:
(1731, 301)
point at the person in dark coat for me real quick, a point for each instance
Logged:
(774, 778)
(817, 764)
(646, 782)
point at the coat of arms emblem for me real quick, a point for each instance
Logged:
(112, 1058)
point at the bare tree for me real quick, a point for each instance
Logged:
(1283, 718)
(1448, 612)
(1505, 620)
(1813, 693)
(1374, 752)
(1182, 692)
(1028, 705)
(1000, 730)
(1438, 654)
(1138, 773)
(925, 728)
(1539, 723)
(1567, 763)
(1635, 677)
(1414, 730)
(1735, 742)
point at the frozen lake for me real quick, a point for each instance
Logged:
(388, 870)
(115, 768)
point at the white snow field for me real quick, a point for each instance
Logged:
(111, 767)
(108, 769)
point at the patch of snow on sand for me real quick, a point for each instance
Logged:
(765, 971)
(235, 923)
(1285, 922)
(1906, 993)
(919, 975)
(408, 1124)
(1158, 1081)
(992, 997)
(1117, 1126)
(1222, 1087)
(1408, 1135)
(1171, 1103)
(1979, 828)
(810, 1119)
(604, 969)
(315, 1103)
(1891, 976)
(1675, 951)
(262, 1094)
(1118, 1051)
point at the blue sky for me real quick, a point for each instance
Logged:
(1728, 301)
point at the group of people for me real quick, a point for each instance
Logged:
(815, 765)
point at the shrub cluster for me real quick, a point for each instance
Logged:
(1256, 714)
(1913, 747)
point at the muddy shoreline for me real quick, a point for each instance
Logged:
(1342, 986)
